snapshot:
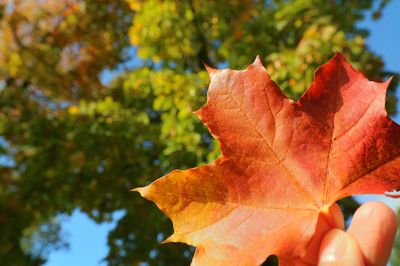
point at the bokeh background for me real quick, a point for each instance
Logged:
(96, 98)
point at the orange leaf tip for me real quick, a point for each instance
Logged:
(339, 56)
(211, 70)
(140, 190)
(386, 83)
(257, 61)
(170, 239)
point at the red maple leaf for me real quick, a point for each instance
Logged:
(283, 165)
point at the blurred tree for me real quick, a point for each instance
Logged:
(395, 256)
(70, 141)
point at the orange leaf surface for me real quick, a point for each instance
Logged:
(282, 167)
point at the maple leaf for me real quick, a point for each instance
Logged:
(283, 165)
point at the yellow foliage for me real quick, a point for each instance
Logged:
(15, 63)
(73, 110)
(134, 5)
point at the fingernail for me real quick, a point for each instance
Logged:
(339, 248)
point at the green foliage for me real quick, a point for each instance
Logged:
(395, 256)
(69, 141)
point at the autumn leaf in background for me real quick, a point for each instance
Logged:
(283, 165)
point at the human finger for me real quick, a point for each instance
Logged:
(339, 248)
(374, 227)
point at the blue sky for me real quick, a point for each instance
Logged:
(88, 240)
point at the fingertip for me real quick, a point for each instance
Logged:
(377, 210)
(374, 227)
(339, 248)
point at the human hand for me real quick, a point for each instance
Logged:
(367, 242)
